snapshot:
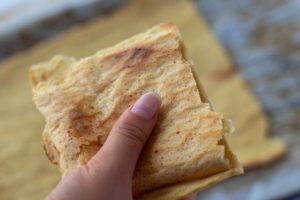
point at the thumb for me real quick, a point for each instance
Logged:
(129, 134)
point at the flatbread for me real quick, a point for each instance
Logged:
(82, 99)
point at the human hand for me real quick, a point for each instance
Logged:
(107, 176)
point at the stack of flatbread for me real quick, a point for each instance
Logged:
(81, 100)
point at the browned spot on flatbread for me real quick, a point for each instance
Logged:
(81, 123)
(140, 53)
(82, 118)
(128, 57)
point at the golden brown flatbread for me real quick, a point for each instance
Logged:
(81, 100)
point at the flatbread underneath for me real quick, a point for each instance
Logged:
(82, 99)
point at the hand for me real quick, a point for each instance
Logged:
(107, 176)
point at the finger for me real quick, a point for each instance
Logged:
(129, 134)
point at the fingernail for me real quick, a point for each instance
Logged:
(147, 105)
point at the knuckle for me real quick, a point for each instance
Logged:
(132, 132)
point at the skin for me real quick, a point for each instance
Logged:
(107, 176)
